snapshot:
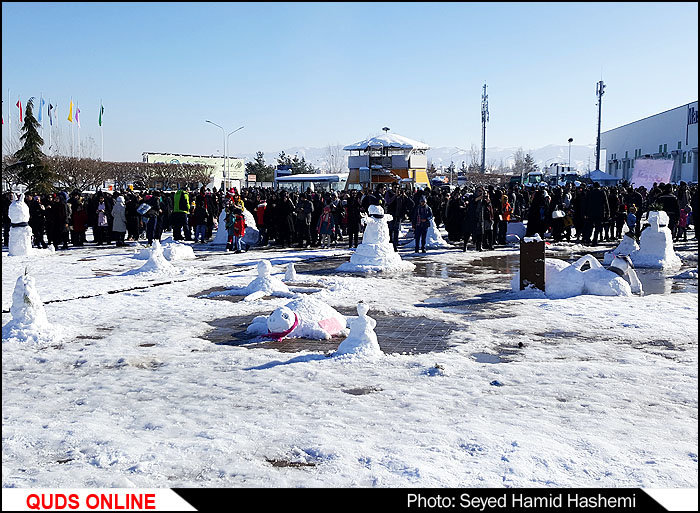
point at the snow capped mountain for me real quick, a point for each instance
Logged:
(582, 156)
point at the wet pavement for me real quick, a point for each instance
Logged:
(412, 335)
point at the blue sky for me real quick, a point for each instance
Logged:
(314, 74)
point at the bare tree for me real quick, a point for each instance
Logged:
(335, 158)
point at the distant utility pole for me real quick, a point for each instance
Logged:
(484, 119)
(599, 92)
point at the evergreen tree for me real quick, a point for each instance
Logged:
(263, 172)
(33, 173)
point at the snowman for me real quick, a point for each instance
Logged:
(375, 253)
(20, 242)
(656, 244)
(362, 339)
(301, 318)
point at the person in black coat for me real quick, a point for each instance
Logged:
(354, 219)
(596, 209)
(669, 203)
(37, 221)
(454, 214)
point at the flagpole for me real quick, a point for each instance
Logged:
(50, 126)
(72, 137)
(77, 110)
(102, 136)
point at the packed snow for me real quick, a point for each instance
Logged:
(592, 391)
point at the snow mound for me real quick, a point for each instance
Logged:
(265, 284)
(250, 237)
(29, 322)
(434, 238)
(171, 251)
(376, 253)
(156, 262)
(301, 318)
(362, 340)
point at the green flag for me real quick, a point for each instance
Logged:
(102, 109)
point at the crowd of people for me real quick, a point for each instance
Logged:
(476, 215)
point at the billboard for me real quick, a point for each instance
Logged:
(650, 171)
(236, 167)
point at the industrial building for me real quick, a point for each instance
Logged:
(672, 135)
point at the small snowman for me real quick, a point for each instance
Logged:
(290, 275)
(362, 339)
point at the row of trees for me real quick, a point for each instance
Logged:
(31, 168)
(265, 172)
(522, 164)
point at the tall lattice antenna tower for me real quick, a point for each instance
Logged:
(484, 119)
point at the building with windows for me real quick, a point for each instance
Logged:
(226, 172)
(387, 158)
(672, 135)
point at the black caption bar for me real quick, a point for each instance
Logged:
(458, 500)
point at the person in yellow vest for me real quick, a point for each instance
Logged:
(181, 209)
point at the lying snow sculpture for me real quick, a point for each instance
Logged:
(375, 253)
(291, 273)
(301, 318)
(29, 322)
(362, 340)
(434, 239)
(564, 280)
(20, 242)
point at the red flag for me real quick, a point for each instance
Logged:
(19, 104)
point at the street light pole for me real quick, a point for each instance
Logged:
(228, 171)
(223, 132)
(571, 139)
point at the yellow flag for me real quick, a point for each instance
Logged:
(70, 111)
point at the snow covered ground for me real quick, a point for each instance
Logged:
(591, 392)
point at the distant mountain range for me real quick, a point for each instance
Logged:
(582, 156)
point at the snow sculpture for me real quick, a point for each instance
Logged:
(626, 247)
(20, 242)
(29, 322)
(564, 280)
(291, 274)
(656, 244)
(362, 340)
(171, 251)
(250, 237)
(434, 239)
(376, 253)
(263, 285)
(156, 261)
(301, 318)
